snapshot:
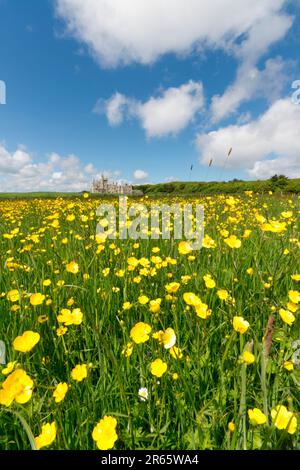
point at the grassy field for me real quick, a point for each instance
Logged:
(137, 344)
(37, 195)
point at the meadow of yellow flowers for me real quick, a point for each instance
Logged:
(146, 344)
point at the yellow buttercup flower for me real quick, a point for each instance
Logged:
(287, 316)
(284, 419)
(143, 299)
(37, 299)
(209, 282)
(167, 338)
(47, 435)
(208, 242)
(224, 233)
(127, 305)
(231, 426)
(274, 226)
(295, 277)
(186, 278)
(17, 386)
(158, 368)
(294, 296)
(154, 305)
(60, 391)
(247, 233)
(139, 333)
(185, 248)
(70, 318)
(61, 330)
(248, 357)
(288, 365)
(240, 325)
(127, 351)
(72, 267)
(257, 417)
(79, 372)
(191, 299)
(26, 342)
(70, 302)
(292, 307)
(233, 242)
(104, 433)
(202, 310)
(223, 294)
(132, 263)
(9, 368)
(172, 287)
(15, 308)
(43, 318)
(13, 295)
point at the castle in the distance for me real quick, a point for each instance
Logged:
(104, 186)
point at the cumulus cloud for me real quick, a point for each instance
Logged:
(250, 83)
(114, 108)
(12, 163)
(19, 172)
(140, 31)
(288, 166)
(167, 114)
(140, 175)
(267, 145)
(173, 111)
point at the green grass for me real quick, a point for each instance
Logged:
(37, 195)
(213, 387)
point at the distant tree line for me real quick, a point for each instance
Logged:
(278, 183)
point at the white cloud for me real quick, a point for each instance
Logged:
(114, 108)
(171, 179)
(119, 32)
(57, 175)
(163, 115)
(90, 169)
(251, 83)
(288, 166)
(262, 147)
(263, 32)
(173, 111)
(140, 175)
(19, 172)
(11, 163)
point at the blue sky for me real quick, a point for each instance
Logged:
(143, 91)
